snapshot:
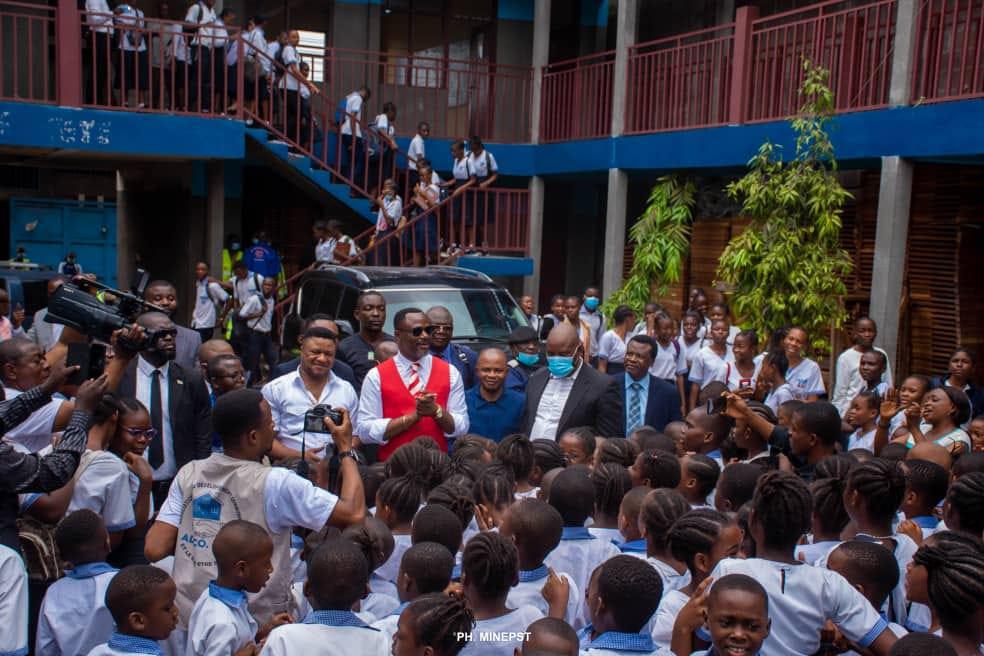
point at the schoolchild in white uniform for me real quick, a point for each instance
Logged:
(397, 501)
(863, 416)
(438, 622)
(772, 372)
(99, 23)
(801, 597)
(926, 486)
(803, 375)
(691, 336)
(209, 296)
(737, 617)
(623, 594)
(670, 360)
(338, 575)
(221, 623)
(699, 539)
(133, 43)
(744, 371)
(13, 602)
(425, 569)
(73, 618)
(847, 378)
(489, 568)
(579, 552)
(828, 519)
(417, 152)
(535, 527)
(462, 206)
(721, 312)
(485, 171)
(141, 600)
(712, 363)
(612, 345)
(660, 509)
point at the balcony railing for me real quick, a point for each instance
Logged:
(27, 52)
(949, 55)
(577, 98)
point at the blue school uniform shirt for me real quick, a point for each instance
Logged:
(529, 592)
(327, 633)
(73, 618)
(497, 419)
(120, 644)
(578, 553)
(618, 642)
(220, 622)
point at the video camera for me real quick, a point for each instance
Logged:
(73, 305)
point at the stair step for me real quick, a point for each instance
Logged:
(259, 134)
(281, 150)
(302, 162)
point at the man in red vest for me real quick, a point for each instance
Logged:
(413, 394)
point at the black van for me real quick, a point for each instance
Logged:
(484, 312)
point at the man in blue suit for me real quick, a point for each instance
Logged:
(458, 356)
(648, 401)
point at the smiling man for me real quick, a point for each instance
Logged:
(413, 394)
(493, 410)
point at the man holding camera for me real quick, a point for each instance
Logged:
(176, 398)
(310, 388)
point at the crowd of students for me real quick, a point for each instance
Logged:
(767, 520)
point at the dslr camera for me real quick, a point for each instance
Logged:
(314, 419)
(75, 305)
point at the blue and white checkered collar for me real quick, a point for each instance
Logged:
(88, 570)
(619, 641)
(635, 546)
(529, 575)
(134, 644)
(336, 618)
(926, 521)
(576, 533)
(228, 596)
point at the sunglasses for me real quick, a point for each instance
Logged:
(420, 330)
(148, 433)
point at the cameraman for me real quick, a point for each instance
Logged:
(24, 472)
(312, 384)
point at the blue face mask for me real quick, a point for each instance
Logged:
(235, 245)
(592, 303)
(560, 366)
(528, 359)
(255, 241)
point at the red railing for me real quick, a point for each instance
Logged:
(680, 82)
(577, 98)
(457, 98)
(854, 43)
(27, 52)
(949, 51)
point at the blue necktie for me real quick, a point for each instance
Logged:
(635, 408)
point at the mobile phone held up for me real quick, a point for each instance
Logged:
(90, 358)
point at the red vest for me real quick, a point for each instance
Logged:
(398, 402)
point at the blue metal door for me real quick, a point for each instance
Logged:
(49, 228)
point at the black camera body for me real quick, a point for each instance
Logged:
(314, 419)
(73, 305)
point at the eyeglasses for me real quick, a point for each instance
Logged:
(147, 433)
(442, 328)
(417, 331)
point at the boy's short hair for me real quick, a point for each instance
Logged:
(538, 527)
(238, 540)
(737, 483)
(434, 523)
(236, 413)
(821, 418)
(631, 589)
(429, 564)
(791, 406)
(922, 644)
(705, 470)
(632, 503)
(872, 566)
(572, 494)
(338, 574)
(132, 590)
(81, 537)
(555, 632)
(740, 582)
(928, 480)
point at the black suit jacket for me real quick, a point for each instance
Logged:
(594, 401)
(340, 369)
(662, 404)
(189, 407)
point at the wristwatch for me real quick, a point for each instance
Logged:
(347, 454)
(439, 413)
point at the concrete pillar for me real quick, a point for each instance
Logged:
(214, 215)
(618, 191)
(902, 52)
(531, 283)
(891, 234)
(625, 36)
(126, 237)
(541, 57)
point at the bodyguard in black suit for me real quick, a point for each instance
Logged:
(569, 393)
(184, 433)
(648, 401)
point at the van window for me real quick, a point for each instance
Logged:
(478, 313)
(320, 296)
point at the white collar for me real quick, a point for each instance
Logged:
(406, 363)
(147, 369)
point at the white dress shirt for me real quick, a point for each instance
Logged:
(389, 214)
(253, 305)
(220, 623)
(104, 488)
(416, 151)
(102, 23)
(529, 592)
(316, 638)
(243, 289)
(73, 618)
(372, 423)
(203, 15)
(489, 637)
(353, 106)
(145, 370)
(482, 165)
(13, 602)
(207, 296)
(132, 40)
(34, 433)
(289, 399)
(551, 406)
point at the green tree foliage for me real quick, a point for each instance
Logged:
(788, 267)
(661, 239)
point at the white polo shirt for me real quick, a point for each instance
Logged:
(289, 57)
(13, 602)
(73, 618)
(102, 24)
(220, 623)
(805, 379)
(415, 151)
(708, 366)
(529, 592)
(327, 633)
(482, 165)
(208, 295)
(130, 20)
(669, 361)
(289, 400)
(255, 303)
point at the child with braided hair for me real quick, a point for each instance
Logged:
(547, 455)
(954, 588)
(963, 510)
(397, 501)
(517, 453)
(617, 450)
(698, 477)
(631, 540)
(493, 492)
(489, 568)
(660, 510)
(801, 597)
(655, 469)
(434, 621)
(699, 539)
(926, 486)
(376, 542)
(828, 519)
(426, 568)
(921, 617)
(611, 483)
